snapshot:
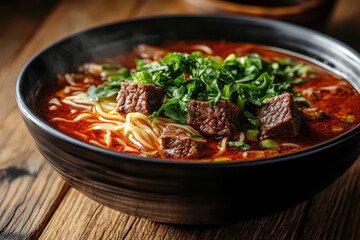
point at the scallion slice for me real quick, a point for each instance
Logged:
(270, 144)
(252, 135)
(236, 144)
(252, 119)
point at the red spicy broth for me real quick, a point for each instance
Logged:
(339, 100)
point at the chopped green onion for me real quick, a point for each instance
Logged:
(195, 136)
(252, 119)
(350, 119)
(270, 144)
(242, 145)
(108, 67)
(221, 159)
(246, 81)
(299, 80)
(236, 144)
(252, 135)
(245, 147)
(337, 129)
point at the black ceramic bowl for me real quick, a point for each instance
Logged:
(182, 192)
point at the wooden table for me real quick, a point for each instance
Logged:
(35, 203)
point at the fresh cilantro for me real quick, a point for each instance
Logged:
(246, 81)
(270, 144)
(252, 119)
(242, 145)
(195, 136)
(245, 147)
(116, 74)
(235, 144)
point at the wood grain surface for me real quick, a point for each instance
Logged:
(36, 204)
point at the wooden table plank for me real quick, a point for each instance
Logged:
(31, 190)
(335, 213)
(18, 24)
(78, 217)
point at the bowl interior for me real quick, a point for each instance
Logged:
(109, 40)
(188, 192)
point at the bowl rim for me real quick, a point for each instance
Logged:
(31, 115)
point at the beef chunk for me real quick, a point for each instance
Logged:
(135, 97)
(341, 87)
(280, 117)
(311, 94)
(177, 142)
(312, 113)
(309, 111)
(217, 121)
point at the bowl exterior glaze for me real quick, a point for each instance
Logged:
(183, 192)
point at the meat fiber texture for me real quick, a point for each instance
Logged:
(177, 142)
(135, 97)
(280, 117)
(217, 121)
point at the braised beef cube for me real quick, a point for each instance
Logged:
(310, 94)
(135, 97)
(217, 121)
(177, 142)
(309, 111)
(280, 117)
(303, 103)
(312, 113)
(341, 87)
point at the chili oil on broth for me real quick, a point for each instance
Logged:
(68, 109)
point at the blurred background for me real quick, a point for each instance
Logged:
(19, 19)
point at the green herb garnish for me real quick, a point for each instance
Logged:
(235, 144)
(240, 144)
(252, 119)
(111, 88)
(110, 67)
(195, 136)
(350, 119)
(246, 81)
(252, 135)
(245, 147)
(270, 144)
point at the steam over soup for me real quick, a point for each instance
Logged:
(202, 101)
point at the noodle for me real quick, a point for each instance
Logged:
(97, 143)
(108, 138)
(136, 132)
(222, 147)
(55, 101)
(242, 137)
(75, 104)
(70, 79)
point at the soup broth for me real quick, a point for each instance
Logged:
(321, 105)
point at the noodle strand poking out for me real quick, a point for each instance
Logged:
(222, 146)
